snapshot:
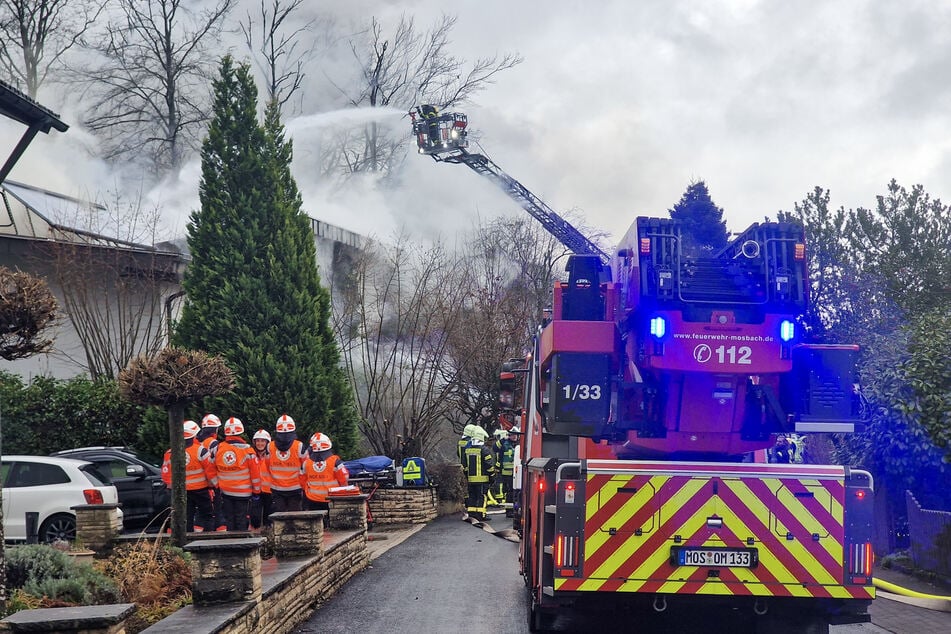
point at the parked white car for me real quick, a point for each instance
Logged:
(49, 487)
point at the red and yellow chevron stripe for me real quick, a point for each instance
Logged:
(635, 512)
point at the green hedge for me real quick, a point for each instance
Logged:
(47, 415)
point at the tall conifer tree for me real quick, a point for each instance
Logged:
(704, 229)
(254, 293)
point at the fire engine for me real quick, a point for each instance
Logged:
(646, 405)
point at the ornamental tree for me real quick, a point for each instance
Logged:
(253, 290)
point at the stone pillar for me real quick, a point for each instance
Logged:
(348, 513)
(97, 525)
(87, 619)
(225, 570)
(298, 533)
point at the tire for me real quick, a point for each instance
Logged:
(61, 526)
(539, 620)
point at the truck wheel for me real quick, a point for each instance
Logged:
(539, 620)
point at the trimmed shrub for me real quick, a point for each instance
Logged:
(43, 571)
(450, 480)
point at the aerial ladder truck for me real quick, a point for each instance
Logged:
(664, 370)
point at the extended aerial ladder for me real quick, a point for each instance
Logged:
(444, 137)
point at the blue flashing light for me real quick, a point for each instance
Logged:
(787, 330)
(658, 327)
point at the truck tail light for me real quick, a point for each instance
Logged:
(799, 251)
(93, 496)
(861, 559)
(566, 553)
(645, 246)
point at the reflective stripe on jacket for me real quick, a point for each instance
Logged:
(265, 471)
(238, 472)
(285, 466)
(200, 470)
(478, 462)
(317, 477)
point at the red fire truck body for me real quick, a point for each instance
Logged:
(642, 402)
(665, 366)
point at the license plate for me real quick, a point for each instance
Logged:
(721, 557)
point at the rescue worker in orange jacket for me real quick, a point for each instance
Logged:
(261, 511)
(286, 455)
(239, 477)
(208, 436)
(201, 478)
(322, 470)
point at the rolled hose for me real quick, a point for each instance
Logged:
(905, 592)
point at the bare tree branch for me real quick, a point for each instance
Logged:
(408, 67)
(278, 47)
(149, 91)
(35, 35)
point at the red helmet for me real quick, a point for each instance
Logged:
(285, 423)
(191, 429)
(210, 420)
(234, 427)
(320, 442)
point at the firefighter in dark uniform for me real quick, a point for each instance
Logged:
(479, 464)
(505, 463)
(431, 114)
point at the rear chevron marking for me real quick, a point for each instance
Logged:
(668, 504)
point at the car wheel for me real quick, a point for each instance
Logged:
(60, 527)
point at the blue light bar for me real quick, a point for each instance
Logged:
(787, 330)
(658, 327)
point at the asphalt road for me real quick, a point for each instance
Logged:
(452, 576)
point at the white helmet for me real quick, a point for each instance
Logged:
(262, 434)
(191, 429)
(320, 442)
(285, 423)
(210, 420)
(234, 427)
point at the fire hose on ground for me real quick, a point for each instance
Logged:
(912, 597)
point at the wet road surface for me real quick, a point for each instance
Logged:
(451, 576)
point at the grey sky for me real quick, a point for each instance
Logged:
(618, 106)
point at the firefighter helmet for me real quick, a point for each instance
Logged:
(500, 434)
(234, 427)
(262, 434)
(285, 423)
(210, 420)
(467, 430)
(191, 429)
(480, 433)
(320, 442)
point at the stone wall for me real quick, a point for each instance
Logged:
(290, 590)
(403, 505)
(290, 602)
